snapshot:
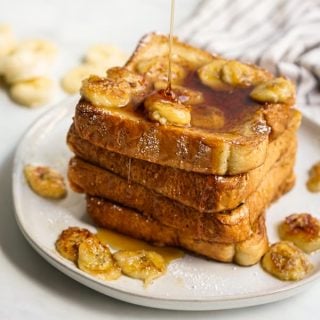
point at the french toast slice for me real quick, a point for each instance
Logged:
(227, 226)
(205, 193)
(235, 143)
(132, 223)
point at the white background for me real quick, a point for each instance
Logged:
(31, 289)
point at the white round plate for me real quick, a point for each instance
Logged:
(191, 283)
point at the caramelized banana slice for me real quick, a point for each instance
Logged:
(236, 73)
(278, 90)
(69, 240)
(286, 262)
(313, 183)
(137, 82)
(141, 264)
(303, 230)
(96, 259)
(104, 92)
(45, 181)
(167, 111)
(183, 95)
(156, 69)
(210, 74)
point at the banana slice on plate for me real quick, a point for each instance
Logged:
(32, 93)
(72, 80)
(30, 59)
(303, 230)
(287, 262)
(96, 259)
(45, 181)
(141, 264)
(69, 240)
(106, 56)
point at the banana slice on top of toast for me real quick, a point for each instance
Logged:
(210, 74)
(138, 83)
(236, 73)
(221, 74)
(278, 90)
(105, 92)
(165, 109)
(303, 230)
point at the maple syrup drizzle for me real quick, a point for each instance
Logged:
(170, 45)
(118, 241)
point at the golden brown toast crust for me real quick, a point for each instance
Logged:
(130, 222)
(209, 193)
(216, 153)
(230, 151)
(226, 227)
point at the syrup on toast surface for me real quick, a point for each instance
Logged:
(226, 131)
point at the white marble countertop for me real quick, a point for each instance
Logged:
(30, 288)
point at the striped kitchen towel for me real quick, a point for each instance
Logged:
(282, 36)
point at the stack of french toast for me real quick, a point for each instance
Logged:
(194, 165)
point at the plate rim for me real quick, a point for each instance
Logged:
(205, 303)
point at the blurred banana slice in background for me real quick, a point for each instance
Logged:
(26, 65)
(30, 59)
(105, 56)
(32, 93)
